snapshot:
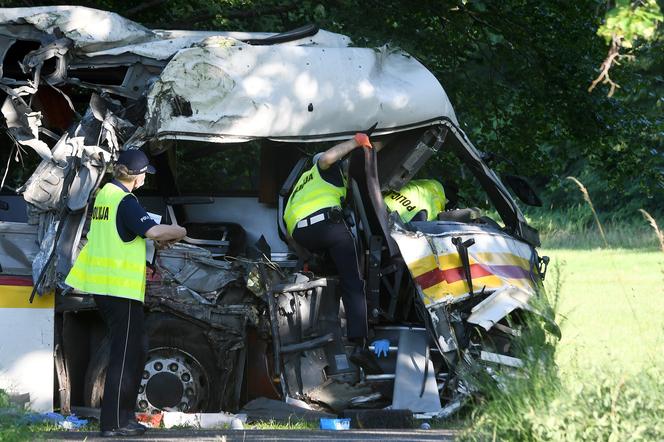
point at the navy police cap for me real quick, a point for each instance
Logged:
(136, 161)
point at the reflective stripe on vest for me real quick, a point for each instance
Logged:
(310, 194)
(417, 195)
(107, 265)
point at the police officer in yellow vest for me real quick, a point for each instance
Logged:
(314, 219)
(419, 200)
(111, 267)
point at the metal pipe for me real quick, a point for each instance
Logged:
(308, 345)
(380, 377)
(321, 282)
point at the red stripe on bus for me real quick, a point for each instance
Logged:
(24, 281)
(436, 276)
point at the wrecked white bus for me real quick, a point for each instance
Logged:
(237, 311)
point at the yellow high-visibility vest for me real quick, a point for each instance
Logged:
(311, 193)
(107, 265)
(417, 195)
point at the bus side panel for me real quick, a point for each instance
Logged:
(26, 342)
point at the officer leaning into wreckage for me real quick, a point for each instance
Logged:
(111, 267)
(314, 219)
(419, 200)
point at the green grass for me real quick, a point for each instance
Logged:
(11, 428)
(575, 228)
(607, 382)
(611, 309)
(294, 424)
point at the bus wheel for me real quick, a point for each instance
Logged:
(180, 373)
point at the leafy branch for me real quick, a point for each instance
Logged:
(625, 24)
(611, 59)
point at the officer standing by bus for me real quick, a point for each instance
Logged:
(314, 219)
(419, 200)
(111, 266)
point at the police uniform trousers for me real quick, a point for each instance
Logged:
(336, 238)
(125, 322)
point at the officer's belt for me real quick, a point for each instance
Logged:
(311, 220)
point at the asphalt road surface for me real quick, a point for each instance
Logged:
(265, 435)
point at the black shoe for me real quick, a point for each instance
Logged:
(127, 430)
(132, 423)
(364, 358)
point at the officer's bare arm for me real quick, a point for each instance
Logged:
(335, 153)
(166, 232)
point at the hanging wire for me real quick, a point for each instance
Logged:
(4, 177)
(265, 261)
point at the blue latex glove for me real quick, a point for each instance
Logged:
(381, 346)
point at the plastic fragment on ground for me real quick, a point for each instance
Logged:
(201, 420)
(334, 424)
(72, 422)
(150, 420)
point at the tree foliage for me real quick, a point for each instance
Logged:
(516, 71)
(631, 21)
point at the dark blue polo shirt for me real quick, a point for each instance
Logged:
(132, 219)
(332, 174)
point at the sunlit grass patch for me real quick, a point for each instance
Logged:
(611, 305)
(291, 424)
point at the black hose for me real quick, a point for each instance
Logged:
(308, 345)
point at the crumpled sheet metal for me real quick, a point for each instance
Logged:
(18, 247)
(216, 88)
(97, 33)
(169, 42)
(498, 305)
(46, 245)
(194, 268)
(23, 125)
(90, 29)
(496, 261)
(45, 186)
(233, 91)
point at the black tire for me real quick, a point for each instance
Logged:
(169, 339)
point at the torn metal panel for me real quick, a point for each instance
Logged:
(114, 128)
(46, 246)
(35, 60)
(440, 321)
(194, 268)
(44, 188)
(18, 248)
(338, 395)
(498, 305)
(85, 182)
(23, 125)
(496, 358)
(415, 385)
(233, 91)
(496, 260)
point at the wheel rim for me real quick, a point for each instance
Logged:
(172, 380)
